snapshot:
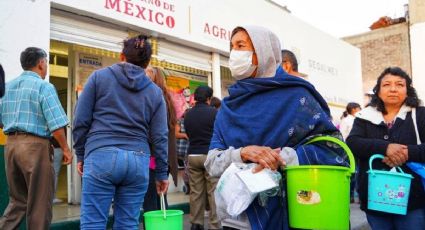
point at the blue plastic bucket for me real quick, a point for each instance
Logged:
(388, 191)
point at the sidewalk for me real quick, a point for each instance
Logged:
(67, 216)
(357, 218)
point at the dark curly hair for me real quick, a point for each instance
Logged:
(203, 93)
(412, 99)
(138, 51)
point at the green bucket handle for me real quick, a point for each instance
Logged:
(379, 156)
(340, 143)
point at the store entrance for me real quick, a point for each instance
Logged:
(70, 66)
(58, 63)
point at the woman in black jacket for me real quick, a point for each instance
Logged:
(386, 127)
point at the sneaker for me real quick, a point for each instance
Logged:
(57, 201)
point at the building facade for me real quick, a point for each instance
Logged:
(190, 42)
(380, 48)
(417, 44)
(400, 45)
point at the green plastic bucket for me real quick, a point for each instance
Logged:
(164, 219)
(319, 195)
(154, 220)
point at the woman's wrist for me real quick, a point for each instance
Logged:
(243, 154)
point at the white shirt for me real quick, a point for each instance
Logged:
(346, 125)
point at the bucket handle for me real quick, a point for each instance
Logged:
(340, 143)
(379, 156)
(163, 209)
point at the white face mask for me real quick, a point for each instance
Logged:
(240, 64)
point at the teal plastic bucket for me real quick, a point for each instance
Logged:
(388, 191)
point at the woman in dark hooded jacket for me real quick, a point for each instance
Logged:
(119, 118)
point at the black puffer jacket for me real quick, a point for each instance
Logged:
(370, 135)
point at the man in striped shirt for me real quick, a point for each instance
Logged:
(30, 112)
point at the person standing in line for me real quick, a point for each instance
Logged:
(57, 164)
(199, 124)
(290, 63)
(386, 127)
(215, 102)
(345, 127)
(347, 118)
(120, 120)
(31, 113)
(182, 145)
(267, 110)
(152, 199)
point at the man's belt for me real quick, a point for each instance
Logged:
(18, 133)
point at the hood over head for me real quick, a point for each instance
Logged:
(130, 76)
(267, 48)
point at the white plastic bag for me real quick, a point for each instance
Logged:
(232, 196)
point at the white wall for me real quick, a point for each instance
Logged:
(23, 23)
(417, 38)
(331, 64)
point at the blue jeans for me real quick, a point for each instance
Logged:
(113, 173)
(413, 220)
(57, 164)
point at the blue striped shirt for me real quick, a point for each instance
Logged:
(31, 105)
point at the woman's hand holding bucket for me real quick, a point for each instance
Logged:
(162, 186)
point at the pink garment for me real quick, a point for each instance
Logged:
(152, 164)
(179, 103)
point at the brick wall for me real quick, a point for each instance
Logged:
(381, 48)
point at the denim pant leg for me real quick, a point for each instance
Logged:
(97, 188)
(57, 164)
(379, 222)
(414, 219)
(130, 192)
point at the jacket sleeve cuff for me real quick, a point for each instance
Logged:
(414, 152)
(80, 156)
(160, 176)
(380, 147)
(236, 155)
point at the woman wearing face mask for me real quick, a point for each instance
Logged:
(266, 110)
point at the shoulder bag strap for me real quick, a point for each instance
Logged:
(418, 139)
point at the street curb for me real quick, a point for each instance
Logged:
(75, 224)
